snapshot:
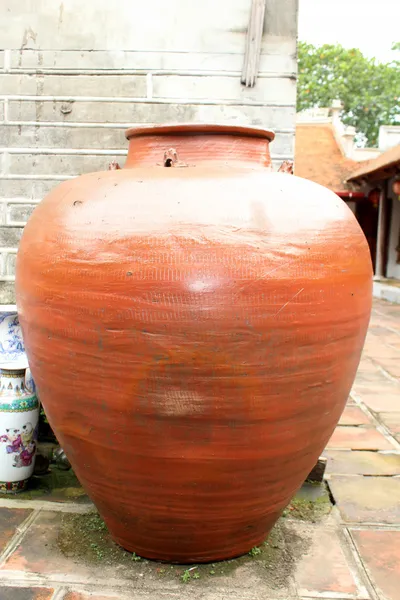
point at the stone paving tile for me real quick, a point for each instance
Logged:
(389, 321)
(323, 568)
(90, 596)
(390, 307)
(392, 365)
(40, 554)
(395, 343)
(376, 379)
(38, 551)
(391, 420)
(367, 499)
(366, 377)
(185, 592)
(25, 593)
(381, 399)
(10, 519)
(358, 438)
(367, 367)
(383, 354)
(380, 553)
(392, 341)
(344, 462)
(380, 351)
(353, 415)
(378, 333)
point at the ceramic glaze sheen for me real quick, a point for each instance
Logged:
(194, 333)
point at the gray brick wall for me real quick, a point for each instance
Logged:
(74, 76)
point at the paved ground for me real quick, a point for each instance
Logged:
(350, 552)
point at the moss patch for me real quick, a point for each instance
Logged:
(308, 505)
(85, 537)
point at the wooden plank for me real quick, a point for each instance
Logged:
(387, 226)
(380, 236)
(253, 43)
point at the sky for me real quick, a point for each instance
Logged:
(370, 25)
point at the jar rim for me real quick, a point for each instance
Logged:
(199, 128)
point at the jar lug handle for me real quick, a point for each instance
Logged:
(286, 167)
(171, 159)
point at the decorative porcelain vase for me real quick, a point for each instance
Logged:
(19, 409)
(194, 323)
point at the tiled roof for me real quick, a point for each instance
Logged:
(387, 160)
(319, 158)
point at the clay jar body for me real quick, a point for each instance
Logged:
(194, 332)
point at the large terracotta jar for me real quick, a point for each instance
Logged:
(193, 323)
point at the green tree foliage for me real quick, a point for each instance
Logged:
(368, 90)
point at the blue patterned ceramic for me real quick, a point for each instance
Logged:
(30, 384)
(12, 348)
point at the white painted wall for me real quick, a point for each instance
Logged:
(74, 75)
(389, 136)
(393, 268)
(360, 154)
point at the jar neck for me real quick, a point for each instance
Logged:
(180, 146)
